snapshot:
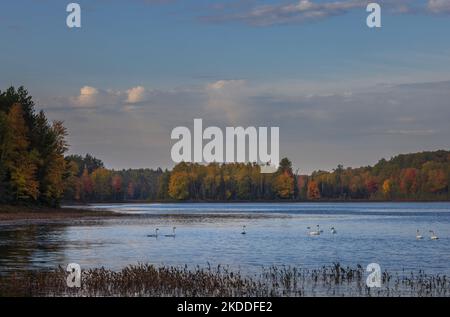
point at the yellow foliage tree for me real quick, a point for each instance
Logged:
(284, 185)
(313, 192)
(179, 185)
(20, 162)
(387, 187)
(101, 180)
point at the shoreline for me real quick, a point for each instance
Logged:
(78, 211)
(11, 213)
(131, 202)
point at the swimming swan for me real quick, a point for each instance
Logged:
(154, 235)
(433, 235)
(418, 235)
(314, 233)
(171, 235)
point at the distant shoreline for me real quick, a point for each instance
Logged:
(247, 201)
(76, 210)
(13, 213)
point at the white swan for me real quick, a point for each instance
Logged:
(333, 231)
(314, 233)
(173, 234)
(243, 230)
(418, 235)
(154, 235)
(433, 235)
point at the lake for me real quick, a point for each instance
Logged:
(210, 234)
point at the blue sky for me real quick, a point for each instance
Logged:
(136, 69)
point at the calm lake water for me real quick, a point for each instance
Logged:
(277, 234)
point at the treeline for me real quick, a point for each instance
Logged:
(420, 176)
(235, 181)
(91, 182)
(32, 164)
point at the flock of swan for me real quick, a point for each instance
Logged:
(156, 235)
(312, 232)
(432, 237)
(318, 231)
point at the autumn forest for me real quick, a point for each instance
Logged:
(35, 169)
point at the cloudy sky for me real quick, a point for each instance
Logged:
(340, 92)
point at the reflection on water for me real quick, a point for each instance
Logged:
(211, 233)
(22, 247)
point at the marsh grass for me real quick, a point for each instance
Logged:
(148, 280)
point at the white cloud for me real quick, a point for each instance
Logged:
(91, 97)
(226, 84)
(136, 94)
(87, 96)
(227, 97)
(303, 11)
(412, 132)
(297, 12)
(439, 6)
(94, 98)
